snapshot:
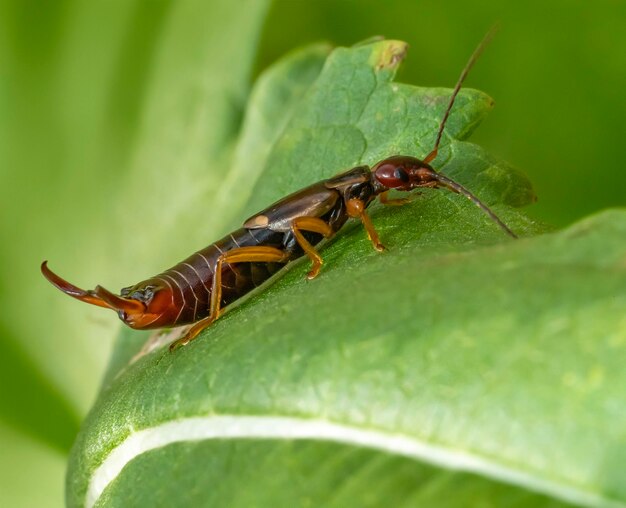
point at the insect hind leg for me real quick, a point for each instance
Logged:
(261, 254)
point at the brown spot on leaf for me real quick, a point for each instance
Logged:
(391, 55)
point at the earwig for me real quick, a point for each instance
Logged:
(197, 290)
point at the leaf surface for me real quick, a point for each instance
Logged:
(78, 179)
(457, 365)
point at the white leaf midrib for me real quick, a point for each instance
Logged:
(291, 428)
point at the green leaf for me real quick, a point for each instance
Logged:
(72, 193)
(90, 92)
(454, 369)
(35, 407)
(24, 459)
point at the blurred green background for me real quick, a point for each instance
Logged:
(74, 76)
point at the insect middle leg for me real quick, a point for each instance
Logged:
(314, 225)
(241, 255)
(356, 208)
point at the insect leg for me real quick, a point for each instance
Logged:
(356, 208)
(241, 255)
(316, 226)
(384, 199)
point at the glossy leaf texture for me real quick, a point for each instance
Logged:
(458, 368)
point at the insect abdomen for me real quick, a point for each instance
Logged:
(191, 280)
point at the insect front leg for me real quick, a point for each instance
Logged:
(385, 200)
(314, 225)
(356, 208)
(260, 254)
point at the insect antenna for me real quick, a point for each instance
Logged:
(472, 60)
(445, 181)
(455, 187)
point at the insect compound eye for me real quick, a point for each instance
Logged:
(401, 174)
(392, 176)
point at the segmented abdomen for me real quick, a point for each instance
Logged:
(191, 280)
